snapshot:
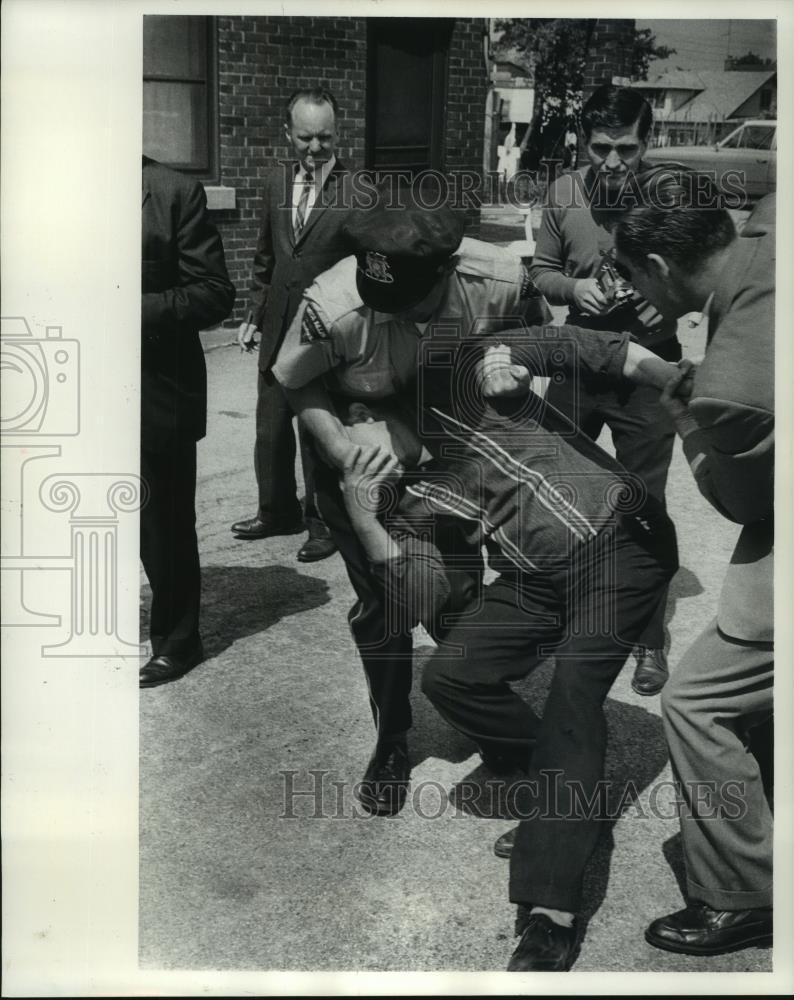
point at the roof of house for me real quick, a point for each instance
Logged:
(720, 93)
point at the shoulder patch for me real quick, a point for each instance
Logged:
(312, 326)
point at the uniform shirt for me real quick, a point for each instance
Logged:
(573, 243)
(365, 354)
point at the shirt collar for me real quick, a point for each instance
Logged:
(319, 175)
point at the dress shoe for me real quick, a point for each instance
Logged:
(699, 930)
(651, 673)
(162, 669)
(257, 527)
(503, 846)
(545, 946)
(500, 762)
(384, 786)
(319, 544)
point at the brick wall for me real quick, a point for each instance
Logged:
(262, 60)
(609, 53)
(467, 86)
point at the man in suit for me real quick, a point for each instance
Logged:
(185, 288)
(573, 266)
(304, 206)
(681, 251)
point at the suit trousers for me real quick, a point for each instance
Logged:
(643, 437)
(720, 693)
(588, 615)
(274, 456)
(169, 547)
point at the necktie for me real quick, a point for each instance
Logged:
(300, 215)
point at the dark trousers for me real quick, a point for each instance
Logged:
(169, 547)
(588, 615)
(274, 456)
(643, 437)
(385, 646)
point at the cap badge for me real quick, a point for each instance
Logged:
(377, 268)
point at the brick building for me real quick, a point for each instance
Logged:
(411, 91)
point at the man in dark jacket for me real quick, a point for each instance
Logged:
(185, 288)
(304, 206)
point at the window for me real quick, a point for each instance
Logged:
(179, 92)
(751, 137)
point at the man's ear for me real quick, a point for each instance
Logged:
(657, 266)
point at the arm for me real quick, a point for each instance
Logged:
(548, 269)
(264, 261)
(410, 570)
(315, 410)
(202, 294)
(508, 367)
(730, 448)
(261, 276)
(365, 469)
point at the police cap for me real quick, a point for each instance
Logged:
(400, 245)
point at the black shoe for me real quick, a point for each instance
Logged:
(319, 544)
(162, 669)
(544, 946)
(257, 527)
(384, 786)
(699, 930)
(503, 846)
(651, 672)
(499, 762)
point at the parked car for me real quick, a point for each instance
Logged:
(744, 162)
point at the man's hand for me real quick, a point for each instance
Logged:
(502, 378)
(366, 468)
(245, 336)
(589, 298)
(675, 398)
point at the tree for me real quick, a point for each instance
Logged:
(556, 50)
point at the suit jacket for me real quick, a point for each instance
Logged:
(733, 451)
(185, 288)
(283, 266)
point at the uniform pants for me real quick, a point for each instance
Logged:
(169, 547)
(642, 434)
(588, 615)
(386, 647)
(721, 690)
(274, 457)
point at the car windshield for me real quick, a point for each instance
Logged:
(751, 137)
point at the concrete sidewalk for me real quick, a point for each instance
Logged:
(245, 865)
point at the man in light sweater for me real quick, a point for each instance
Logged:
(574, 266)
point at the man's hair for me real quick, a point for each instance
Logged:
(317, 95)
(678, 215)
(613, 108)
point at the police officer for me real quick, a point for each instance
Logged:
(357, 336)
